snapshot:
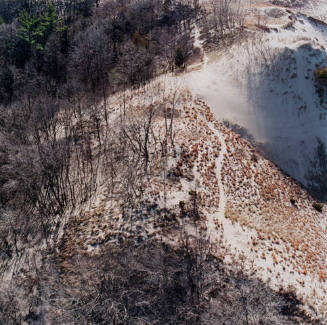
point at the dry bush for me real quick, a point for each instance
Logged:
(155, 284)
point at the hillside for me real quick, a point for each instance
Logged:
(267, 85)
(170, 170)
(251, 213)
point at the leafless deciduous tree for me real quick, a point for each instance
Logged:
(224, 17)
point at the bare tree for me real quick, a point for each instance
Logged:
(226, 16)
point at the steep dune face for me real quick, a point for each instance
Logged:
(267, 85)
(290, 112)
(283, 236)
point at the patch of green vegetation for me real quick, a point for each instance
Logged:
(321, 74)
(36, 30)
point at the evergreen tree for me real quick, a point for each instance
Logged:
(27, 27)
(36, 30)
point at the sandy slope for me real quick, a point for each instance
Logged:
(244, 200)
(267, 86)
(244, 208)
(317, 9)
(255, 220)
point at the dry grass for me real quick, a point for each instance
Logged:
(259, 198)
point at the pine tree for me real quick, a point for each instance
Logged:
(36, 30)
(47, 24)
(27, 27)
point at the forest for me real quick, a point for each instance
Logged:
(66, 57)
